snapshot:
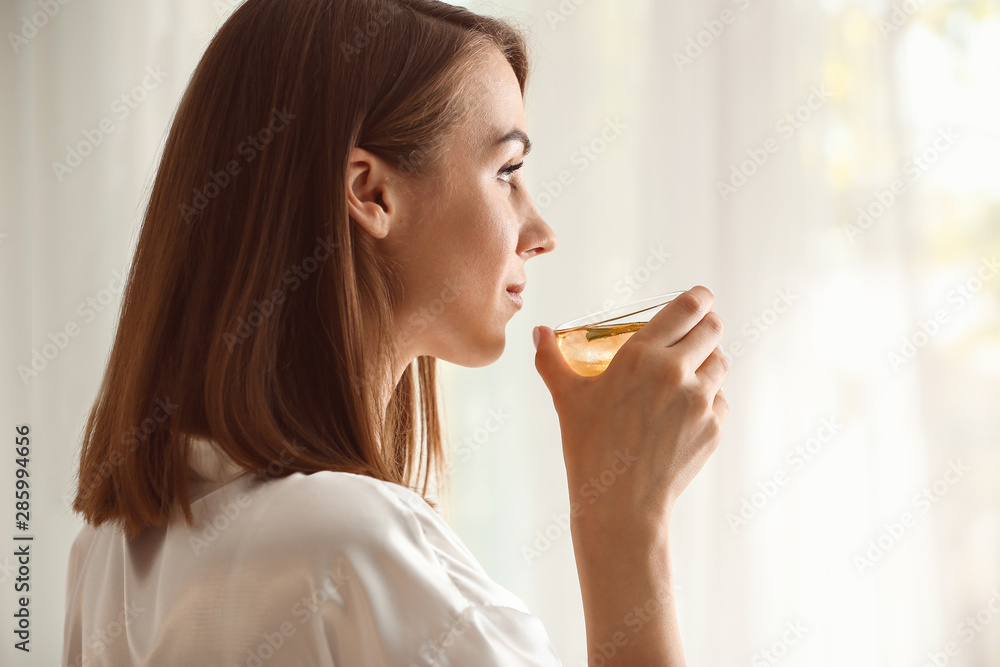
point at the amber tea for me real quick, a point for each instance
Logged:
(590, 343)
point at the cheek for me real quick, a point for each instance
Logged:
(469, 249)
(484, 243)
(495, 246)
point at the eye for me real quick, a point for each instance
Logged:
(508, 171)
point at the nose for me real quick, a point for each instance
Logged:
(537, 237)
(551, 241)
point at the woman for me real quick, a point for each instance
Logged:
(340, 203)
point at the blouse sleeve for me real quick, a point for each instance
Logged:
(406, 592)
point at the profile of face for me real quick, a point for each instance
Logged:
(462, 233)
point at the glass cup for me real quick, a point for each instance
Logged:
(589, 343)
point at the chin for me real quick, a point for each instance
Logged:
(481, 353)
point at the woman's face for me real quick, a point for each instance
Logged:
(462, 233)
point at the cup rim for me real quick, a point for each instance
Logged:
(618, 312)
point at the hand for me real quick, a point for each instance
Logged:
(649, 421)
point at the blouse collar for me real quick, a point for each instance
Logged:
(208, 462)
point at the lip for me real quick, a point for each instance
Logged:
(514, 292)
(518, 288)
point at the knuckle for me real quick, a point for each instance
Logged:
(700, 402)
(672, 373)
(720, 398)
(689, 303)
(714, 322)
(723, 361)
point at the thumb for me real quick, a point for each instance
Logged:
(550, 363)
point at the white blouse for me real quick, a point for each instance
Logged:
(326, 569)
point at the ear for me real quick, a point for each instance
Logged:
(373, 194)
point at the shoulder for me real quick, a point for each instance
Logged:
(349, 504)
(88, 539)
(357, 516)
(83, 541)
(337, 512)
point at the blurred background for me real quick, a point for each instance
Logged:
(827, 168)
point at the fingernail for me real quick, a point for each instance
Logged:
(536, 336)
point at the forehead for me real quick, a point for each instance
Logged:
(493, 102)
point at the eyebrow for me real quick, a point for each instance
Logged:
(516, 135)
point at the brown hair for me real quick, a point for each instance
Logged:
(255, 313)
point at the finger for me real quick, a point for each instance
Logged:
(715, 370)
(720, 406)
(677, 318)
(556, 373)
(698, 344)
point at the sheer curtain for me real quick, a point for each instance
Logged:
(850, 515)
(89, 91)
(827, 168)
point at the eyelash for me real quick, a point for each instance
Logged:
(510, 170)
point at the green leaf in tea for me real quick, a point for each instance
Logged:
(615, 330)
